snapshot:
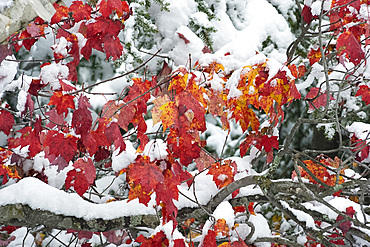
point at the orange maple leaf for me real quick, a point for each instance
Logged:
(222, 173)
(62, 102)
(222, 227)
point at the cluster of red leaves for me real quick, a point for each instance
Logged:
(319, 171)
(159, 240)
(30, 35)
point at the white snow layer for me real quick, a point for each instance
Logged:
(38, 195)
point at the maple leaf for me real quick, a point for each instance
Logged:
(188, 102)
(165, 193)
(210, 239)
(259, 141)
(306, 14)
(61, 12)
(170, 114)
(29, 138)
(222, 174)
(239, 243)
(347, 43)
(364, 91)
(81, 118)
(112, 47)
(314, 55)
(144, 172)
(183, 146)
(62, 102)
(55, 144)
(6, 121)
(80, 11)
(35, 86)
(4, 52)
(114, 136)
(107, 7)
(222, 227)
(82, 176)
(158, 240)
(179, 243)
(158, 103)
(137, 191)
(54, 119)
(251, 208)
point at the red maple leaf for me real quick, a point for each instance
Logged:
(29, 138)
(6, 121)
(364, 91)
(61, 12)
(183, 146)
(144, 172)
(62, 102)
(158, 240)
(210, 239)
(114, 136)
(348, 44)
(107, 7)
(35, 86)
(306, 14)
(165, 193)
(57, 144)
(80, 11)
(81, 118)
(314, 55)
(82, 176)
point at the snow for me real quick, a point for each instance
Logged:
(5, 4)
(125, 158)
(156, 150)
(8, 70)
(360, 130)
(52, 73)
(225, 211)
(60, 202)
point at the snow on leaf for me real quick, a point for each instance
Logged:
(62, 102)
(82, 176)
(28, 137)
(222, 173)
